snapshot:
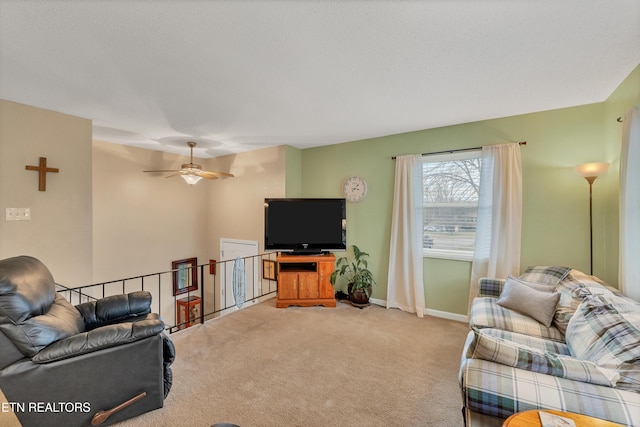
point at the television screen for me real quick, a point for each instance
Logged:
(305, 225)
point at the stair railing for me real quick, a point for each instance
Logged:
(215, 289)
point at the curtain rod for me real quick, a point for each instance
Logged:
(458, 150)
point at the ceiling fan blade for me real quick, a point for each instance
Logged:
(168, 170)
(214, 175)
(174, 174)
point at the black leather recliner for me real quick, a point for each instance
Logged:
(96, 363)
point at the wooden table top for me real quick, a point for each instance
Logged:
(532, 419)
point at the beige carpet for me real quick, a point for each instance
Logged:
(342, 366)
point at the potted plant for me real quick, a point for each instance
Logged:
(358, 277)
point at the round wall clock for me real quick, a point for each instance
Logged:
(354, 189)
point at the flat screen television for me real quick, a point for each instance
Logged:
(305, 225)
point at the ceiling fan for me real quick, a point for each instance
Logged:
(191, 172)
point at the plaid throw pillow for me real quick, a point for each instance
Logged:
(547, 275)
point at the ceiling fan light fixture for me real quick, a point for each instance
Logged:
(191, 179)
(191, 172)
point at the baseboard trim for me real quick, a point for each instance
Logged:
(430, 312)
(446, 315)
(380, 302)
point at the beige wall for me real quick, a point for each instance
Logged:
(143, 221)
(60, 230)
(236, 205)
(293, 172)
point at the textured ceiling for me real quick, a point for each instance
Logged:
(241, 75)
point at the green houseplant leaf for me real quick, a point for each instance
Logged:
(354, 271)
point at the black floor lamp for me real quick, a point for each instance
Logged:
(590, 171)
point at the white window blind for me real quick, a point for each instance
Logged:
(451, 188)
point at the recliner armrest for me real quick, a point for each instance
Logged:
(100, 338)
(116, 308)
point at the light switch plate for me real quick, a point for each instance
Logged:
(17, 214)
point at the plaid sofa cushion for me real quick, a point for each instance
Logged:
(545, 274)
(499, 390)
(572, 290)
(605, 329)
(486, 313)
(534, 359)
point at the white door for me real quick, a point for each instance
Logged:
(246, 250)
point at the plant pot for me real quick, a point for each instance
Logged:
(358, 297)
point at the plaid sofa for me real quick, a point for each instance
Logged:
(586, 361)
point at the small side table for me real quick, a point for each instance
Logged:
(188, 311)
(532, 419)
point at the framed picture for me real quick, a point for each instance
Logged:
(269, 270)
(212, 266)
(185, 275)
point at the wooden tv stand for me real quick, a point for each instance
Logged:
(303, 280)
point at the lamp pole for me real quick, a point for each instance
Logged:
(590, 171)
(590, 180)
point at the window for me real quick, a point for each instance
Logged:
(450, 204)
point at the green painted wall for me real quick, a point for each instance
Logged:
(555, 198)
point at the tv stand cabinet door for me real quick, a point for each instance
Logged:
(308, 285)
(325, 289)
(288, 286)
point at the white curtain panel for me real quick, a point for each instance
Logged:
(629, 273)
(405, 288)
(498, 231)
